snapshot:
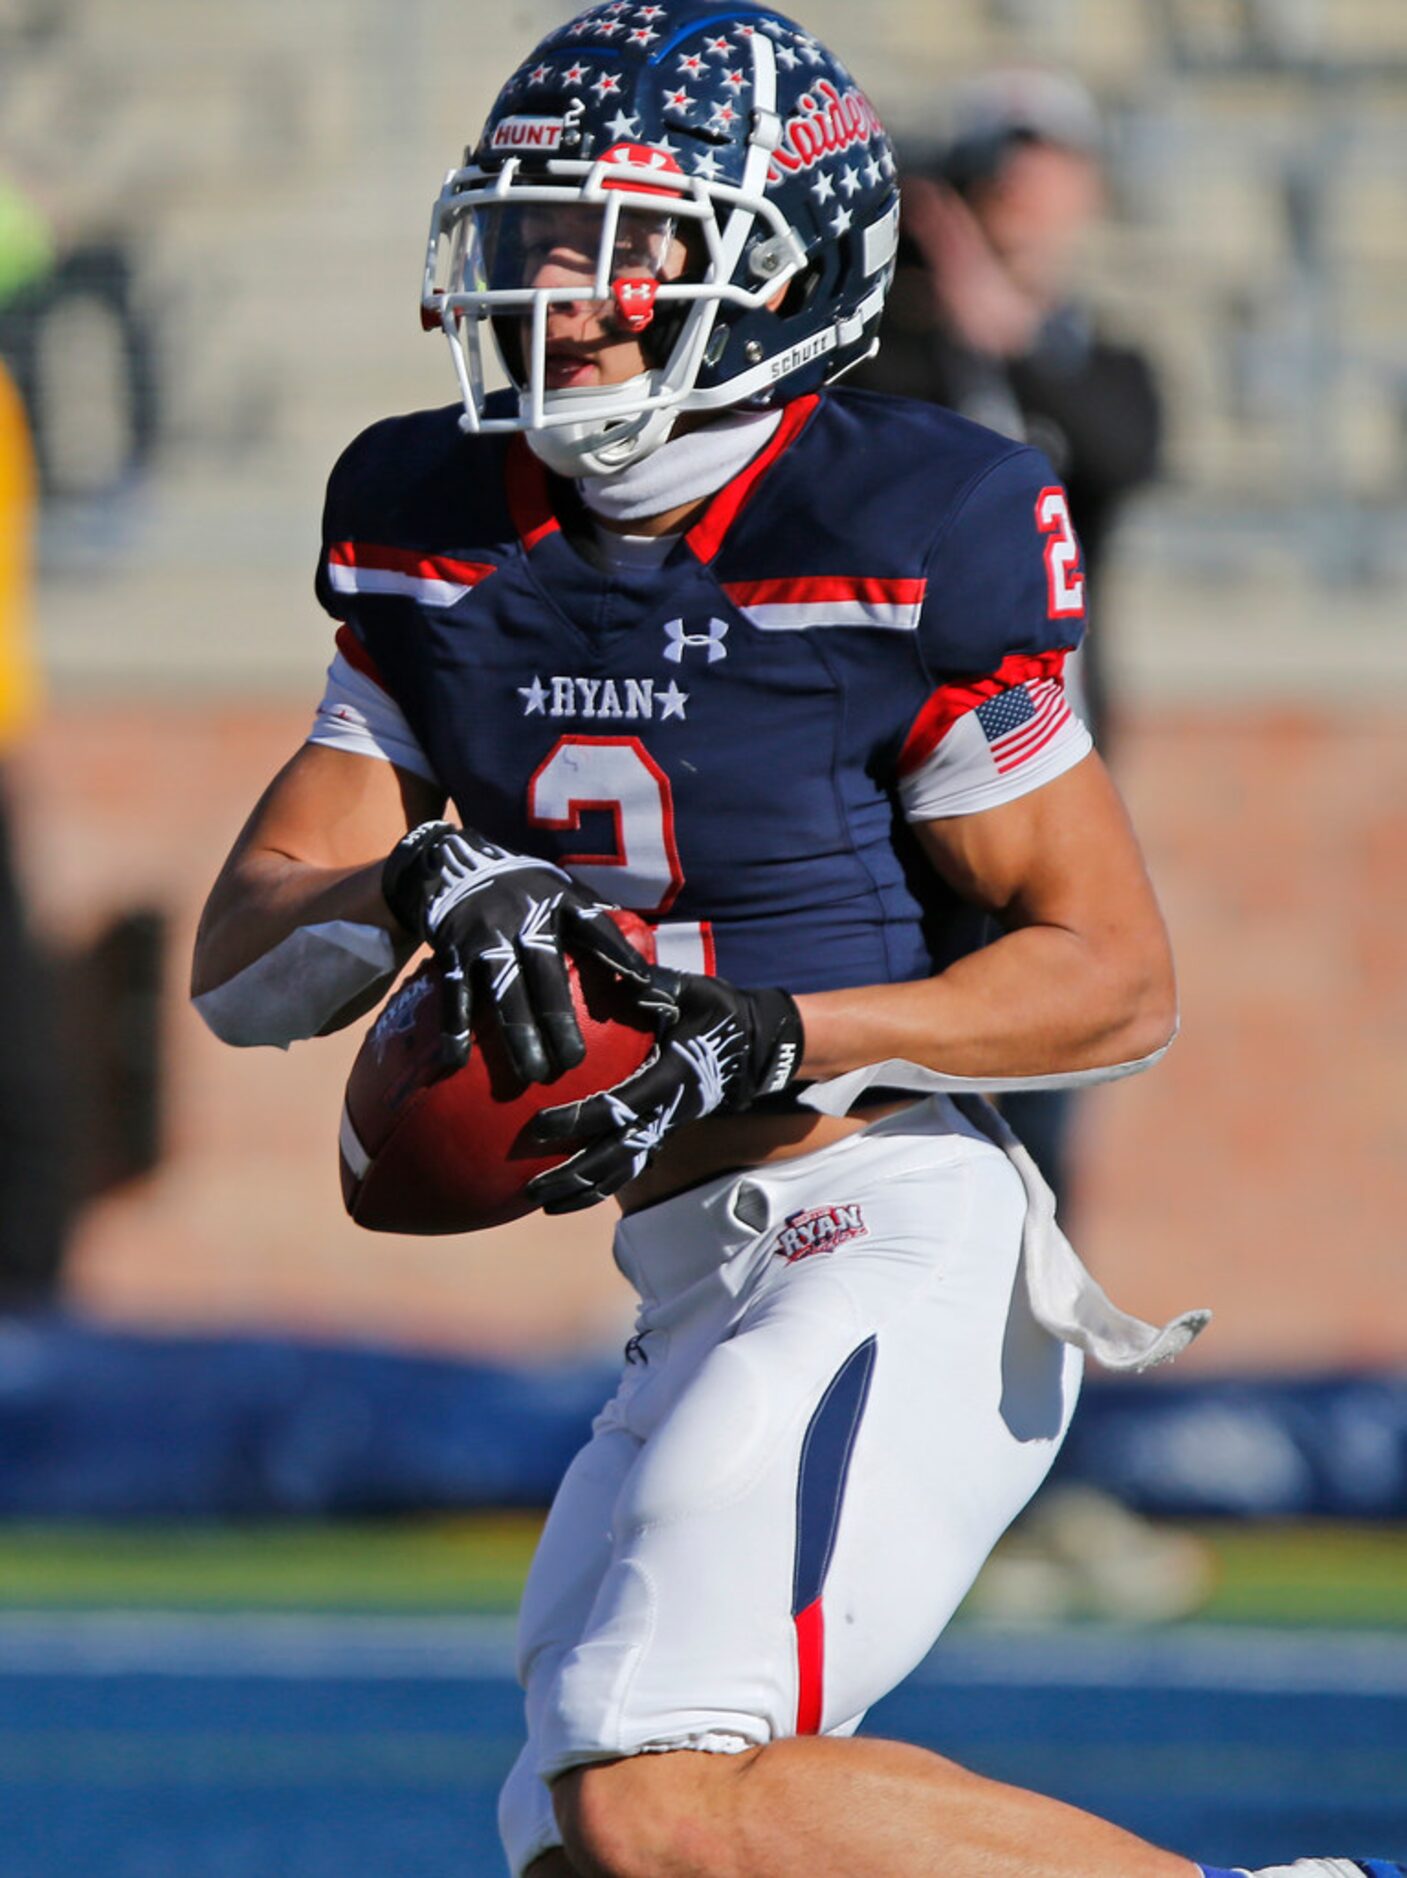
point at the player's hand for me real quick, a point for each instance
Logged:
(498, 921)
(719, 1048)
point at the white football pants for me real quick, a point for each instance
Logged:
(835, 1402)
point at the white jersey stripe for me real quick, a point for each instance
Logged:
(344, 579)
(802, 616)
(684, 945)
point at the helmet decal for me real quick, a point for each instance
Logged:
(826, 124)
(767, 277)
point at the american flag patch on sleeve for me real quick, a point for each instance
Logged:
(980, 743)
(1018, 724)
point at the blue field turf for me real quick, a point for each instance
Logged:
(322, 1747)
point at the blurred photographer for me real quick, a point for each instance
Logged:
(983, 318)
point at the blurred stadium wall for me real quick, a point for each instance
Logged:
(258, 178)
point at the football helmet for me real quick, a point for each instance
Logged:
(712, 177)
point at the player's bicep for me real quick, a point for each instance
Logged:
(332, 808)
(1062, 855)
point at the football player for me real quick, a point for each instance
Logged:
(670, 624)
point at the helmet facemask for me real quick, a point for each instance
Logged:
(555, 275)
(683, 244)
(478, 271)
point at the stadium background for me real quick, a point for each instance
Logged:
(262, 175)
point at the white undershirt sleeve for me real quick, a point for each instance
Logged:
(357, 715)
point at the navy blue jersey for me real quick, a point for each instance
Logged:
(866, 628)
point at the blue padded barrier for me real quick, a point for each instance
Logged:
(97, 1423)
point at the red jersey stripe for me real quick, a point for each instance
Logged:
(950, 702)
(810, 1668)
(357, 656)
(815, 588)
(409, 561)
(529, 497)
(707, 535)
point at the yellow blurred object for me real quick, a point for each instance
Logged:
(19, 683)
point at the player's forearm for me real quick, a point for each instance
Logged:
(1041, 1000)
(264, 897)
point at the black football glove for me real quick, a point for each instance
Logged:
(498, 922)
(719, 1048)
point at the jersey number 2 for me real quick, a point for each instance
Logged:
(1064, 577)
(617, 776)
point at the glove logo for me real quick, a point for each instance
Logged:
(677, 640)
(819, 1229)
(782, 1070)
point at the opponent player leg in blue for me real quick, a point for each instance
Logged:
(1312, 1868)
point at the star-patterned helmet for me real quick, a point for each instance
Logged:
(736, 206)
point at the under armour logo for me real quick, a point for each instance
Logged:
(677, 639)
(635, 302)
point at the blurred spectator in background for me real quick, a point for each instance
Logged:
(81, 351)
(26, 242)
(32, 1176)
(982, 318)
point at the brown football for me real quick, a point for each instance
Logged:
(424, 1150)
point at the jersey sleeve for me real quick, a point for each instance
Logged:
(357, 711)
(358, 714)
(1004, 604)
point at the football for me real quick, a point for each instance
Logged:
(426, 1150)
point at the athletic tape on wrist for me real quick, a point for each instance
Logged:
(294, 989)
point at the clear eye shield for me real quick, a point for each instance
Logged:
(568, 253)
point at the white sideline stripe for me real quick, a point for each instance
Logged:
(353, 1153)
(1198, 1656)
(790, 616)
(344, 579)
(282, 1646)
(302, 1646)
